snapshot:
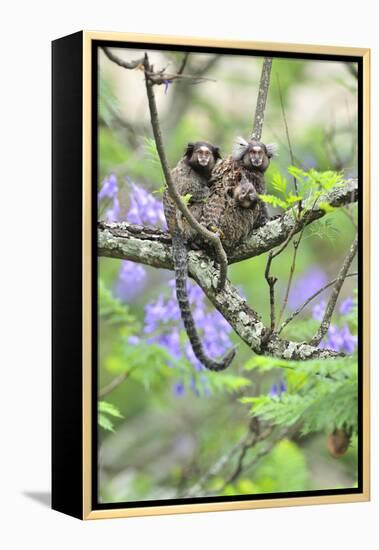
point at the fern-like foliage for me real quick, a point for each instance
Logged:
(321, 395)
(311, 186)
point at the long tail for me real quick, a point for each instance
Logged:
(179, 252)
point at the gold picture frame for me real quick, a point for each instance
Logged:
(73, 56)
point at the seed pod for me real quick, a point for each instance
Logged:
(338, 442)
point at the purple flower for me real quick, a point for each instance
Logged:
(340, 339)
(179, 389)
(319, 310)
(192, 357)
(305, 286)
(144, 208)
(131, 280)
(154, 314)
(277, 389)
(349, 341)
(171, 341)
(113, 214)
(109, 188)
(133, 340)
(346, 306)
(166, 84)
(164, 325)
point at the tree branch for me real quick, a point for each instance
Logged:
(335, 293)
(309, 300)
(210, 237)
(292, 156)
(113, 384)
(156, 77)
(245, 321)
(277, 231)
(262, 98)
(152, 246)
(271, 281)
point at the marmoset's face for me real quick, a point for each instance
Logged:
(245, 195)
(256, 155)
(204, 155)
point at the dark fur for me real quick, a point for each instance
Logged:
(233, 181)
(190, 178)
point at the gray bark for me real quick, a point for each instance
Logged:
(152, 247)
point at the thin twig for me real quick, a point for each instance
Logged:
(156, 77)
(288, 136)
(207, 235)
(310, 299)
(223, 461)
(125, 64)
(113, 384)
(296, 245)
(262, 98)
(352, 68)
(183, 63)
(271, 281)
(323, 329)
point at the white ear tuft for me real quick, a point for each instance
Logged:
(272, 150)
(240, 146)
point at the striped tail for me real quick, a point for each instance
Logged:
(179, 253)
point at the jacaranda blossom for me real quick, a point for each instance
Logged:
(340, 339)
(306, 285)
(109, 193)
(145, 208)
(164, 326)
(277, 389)
(131, 280)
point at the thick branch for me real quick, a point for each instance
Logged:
(262, 98)
(117, 241)
(201, 230)
(152, 246)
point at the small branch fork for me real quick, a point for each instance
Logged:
(323, 329)
(259, 439)
(156, 77)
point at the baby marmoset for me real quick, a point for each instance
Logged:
(233, 207)
(191, 177)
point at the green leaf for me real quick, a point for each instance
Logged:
(186, 198)
(228, 382)
(112, 310)
(264, 363)
(105, 422)
(292, 199)
(279, 183)
(283, 469)
(108, 408)
(326, 207)
(274, 201)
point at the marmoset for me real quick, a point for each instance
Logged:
(233, 208)
(191, 177)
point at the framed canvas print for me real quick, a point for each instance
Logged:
(210, 275)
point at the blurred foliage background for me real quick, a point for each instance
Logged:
(167, 427)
